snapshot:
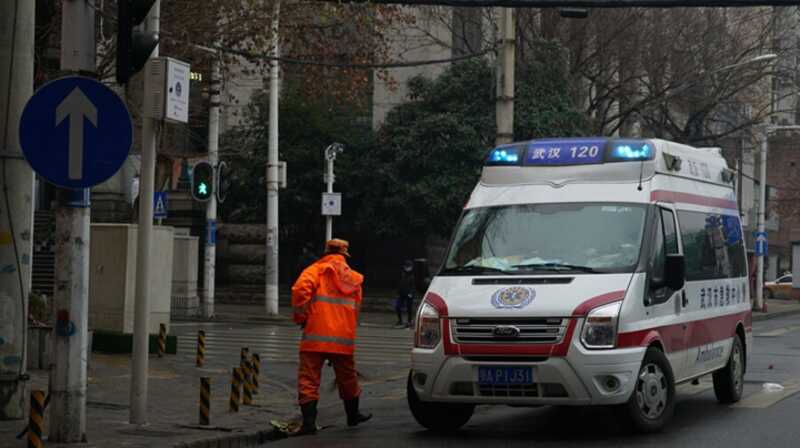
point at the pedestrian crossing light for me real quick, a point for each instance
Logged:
(202, 181)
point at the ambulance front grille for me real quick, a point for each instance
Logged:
(534, 330)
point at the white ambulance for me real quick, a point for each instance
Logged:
(587, 271)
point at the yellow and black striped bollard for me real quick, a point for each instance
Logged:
(236, 385)
(201, 348)
(36, 420)
(205, 400)
(247, 386)
(162, 339)
(256, 365)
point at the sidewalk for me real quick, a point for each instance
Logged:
(778, 308)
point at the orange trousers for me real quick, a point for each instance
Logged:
(310, 373)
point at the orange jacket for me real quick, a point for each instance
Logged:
(326, 299)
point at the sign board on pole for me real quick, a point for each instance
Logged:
(761, 245)
(160, 205)
(75, 132)
(331, 204)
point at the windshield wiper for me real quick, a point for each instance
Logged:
(474, 269)
(556, 267)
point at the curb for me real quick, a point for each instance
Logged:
(233, 441)
(775, 315)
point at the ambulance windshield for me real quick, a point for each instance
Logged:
(533, 238)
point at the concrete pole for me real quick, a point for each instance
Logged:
(72, 239)
(762, 213)
(138, 405)
(505, 77)
(329, 219)
(272, 173)
(209, 261)
(17, 19)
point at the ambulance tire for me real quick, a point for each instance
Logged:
(438, 417)
(652, 402)
(729, 381)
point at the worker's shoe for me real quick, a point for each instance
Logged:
(354, 417)
(309, 411)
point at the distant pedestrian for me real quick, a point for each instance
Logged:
(326, 300)
(405, 299)
(307, 257)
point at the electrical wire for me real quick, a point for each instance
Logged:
(4, 156)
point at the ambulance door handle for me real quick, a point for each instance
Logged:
(684, 300)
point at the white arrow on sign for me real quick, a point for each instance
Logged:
(77, 107)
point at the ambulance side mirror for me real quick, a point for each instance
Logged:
(675, 272)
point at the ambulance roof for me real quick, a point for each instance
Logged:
(601, 159)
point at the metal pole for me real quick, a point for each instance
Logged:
(72, 239)
(762, 209)
(140, 360)
(209, 261)
(16, 202)
(272, 174)
(504, 112)
(329, 219)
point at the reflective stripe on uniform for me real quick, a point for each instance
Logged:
(335, 301)
(333, 339)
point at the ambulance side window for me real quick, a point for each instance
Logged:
(665, 243)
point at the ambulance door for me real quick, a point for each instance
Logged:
(664, 303)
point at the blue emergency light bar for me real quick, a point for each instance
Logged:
(574, 151)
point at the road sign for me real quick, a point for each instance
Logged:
(75, 132)
(160, 205)
(331, 204)
(762, 247)
(760, 235)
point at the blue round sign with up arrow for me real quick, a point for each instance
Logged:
(75, 132)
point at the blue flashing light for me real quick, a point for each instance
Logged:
(622, 151)
(504, 156)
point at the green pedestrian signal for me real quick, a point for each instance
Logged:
(202, 181)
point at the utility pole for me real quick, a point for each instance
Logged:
(71, 297)
(505, 77)
(209, 261)
(271, 293)
(150, 130)
(762, 208)
(17, 19)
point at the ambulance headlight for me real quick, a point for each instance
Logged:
(600, 327)
(429, 328)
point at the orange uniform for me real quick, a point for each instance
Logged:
(326, 300)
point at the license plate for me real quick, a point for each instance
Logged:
(505, 376)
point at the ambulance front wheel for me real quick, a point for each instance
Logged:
(729, 381)
(439, 417)
(653, 400)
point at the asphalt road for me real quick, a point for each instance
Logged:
(760, 420)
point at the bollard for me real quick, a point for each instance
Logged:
(36, 420)
(244, 355)
(247, 386)
(201, 348)
(256, 371)
(236, 383)
(205, 400)
(162, 339)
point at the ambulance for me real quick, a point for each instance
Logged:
(587, 271)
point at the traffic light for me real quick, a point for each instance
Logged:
(202, 181)
(223, 181)
(133, 46)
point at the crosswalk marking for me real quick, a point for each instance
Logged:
(763, 399)
(778, 332)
